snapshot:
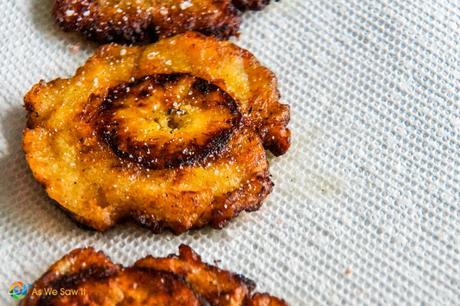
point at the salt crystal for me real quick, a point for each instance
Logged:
(74, 48)
(455, 122)
(152, 55)
(163, 11)
(185, 5)
(69, 12)
(123, 52)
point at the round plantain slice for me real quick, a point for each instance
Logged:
(131, 21)
(87, 277)
(171, 134)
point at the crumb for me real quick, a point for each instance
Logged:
(74, 48)
(348, 272)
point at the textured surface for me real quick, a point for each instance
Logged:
(365, 208)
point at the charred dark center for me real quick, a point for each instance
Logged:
(167, 121)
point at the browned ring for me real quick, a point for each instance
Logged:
(155, 153)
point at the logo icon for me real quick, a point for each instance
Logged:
(18, 290)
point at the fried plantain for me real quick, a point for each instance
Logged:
(171, 137)
(131, 21)
(87, 277)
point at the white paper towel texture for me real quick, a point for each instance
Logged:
(365, 209)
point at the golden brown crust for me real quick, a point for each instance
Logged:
(174, 140)
(174, 280)
(130, 21)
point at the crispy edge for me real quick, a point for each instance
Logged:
(248, 198)
(217, 286)
(234, 289)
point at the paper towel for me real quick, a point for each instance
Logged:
(365, 208)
